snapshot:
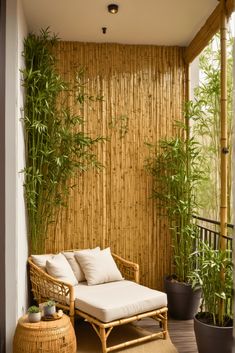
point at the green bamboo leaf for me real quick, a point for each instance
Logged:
(55, 151)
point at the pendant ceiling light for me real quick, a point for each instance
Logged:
(113, 8)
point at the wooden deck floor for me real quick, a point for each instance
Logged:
(182, 336)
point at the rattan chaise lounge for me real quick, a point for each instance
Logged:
(106, 305)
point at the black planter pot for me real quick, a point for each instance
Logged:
(183, 302)
(213, 338)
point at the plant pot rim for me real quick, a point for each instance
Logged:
(170, 277)
(212, 326)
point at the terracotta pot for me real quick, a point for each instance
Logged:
(183, 301)
(213, 338)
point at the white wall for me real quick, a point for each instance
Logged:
(22, 252)
(194, 76)
(16, 243)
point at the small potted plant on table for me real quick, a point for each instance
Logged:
(34, 314)
(49, 308)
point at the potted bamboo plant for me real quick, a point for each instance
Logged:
(213, 324)
(176, 168)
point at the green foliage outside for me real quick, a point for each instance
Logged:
(56, 145)
(207, 126)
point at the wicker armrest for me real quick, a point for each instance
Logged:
(45, 287)
(129, 270)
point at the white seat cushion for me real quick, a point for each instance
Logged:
(115, 300)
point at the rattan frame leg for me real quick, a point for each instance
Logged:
(162, 319)
(72, 319)
(104, 329)
(164, 325)
(103, 339)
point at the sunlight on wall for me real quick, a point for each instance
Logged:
(16, 242)
(232, 24)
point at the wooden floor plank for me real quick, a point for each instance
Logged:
(182, 335)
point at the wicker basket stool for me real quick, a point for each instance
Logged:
(44, 336)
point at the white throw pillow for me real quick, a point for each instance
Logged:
(74, 265)
(79, 274)
(99, 267)
(59, 268)
(40, 260)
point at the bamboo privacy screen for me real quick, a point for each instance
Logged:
(144, 90)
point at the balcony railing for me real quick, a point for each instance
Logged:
(209, 231)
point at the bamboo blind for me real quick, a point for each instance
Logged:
(113, 207)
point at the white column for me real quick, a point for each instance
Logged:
(10, 170)
(16, 242)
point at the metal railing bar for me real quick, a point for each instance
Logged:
(214, 232)
(229, 225)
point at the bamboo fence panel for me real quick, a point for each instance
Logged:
(144, 89)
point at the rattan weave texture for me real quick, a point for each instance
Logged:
(44, 336)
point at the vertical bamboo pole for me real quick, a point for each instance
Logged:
(224, 148)
(223, 106)
(188, 167)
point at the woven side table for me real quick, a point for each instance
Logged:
(45, 336)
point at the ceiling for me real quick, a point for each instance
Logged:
(158, 22)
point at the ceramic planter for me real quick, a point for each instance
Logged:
(49, 310)
(213, 338)
(183, 301)
(34, 317)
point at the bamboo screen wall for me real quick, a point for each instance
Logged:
(144, 90)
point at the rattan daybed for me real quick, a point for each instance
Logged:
(118, 302)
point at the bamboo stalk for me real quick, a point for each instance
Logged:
(224, 147)
(223, 105)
